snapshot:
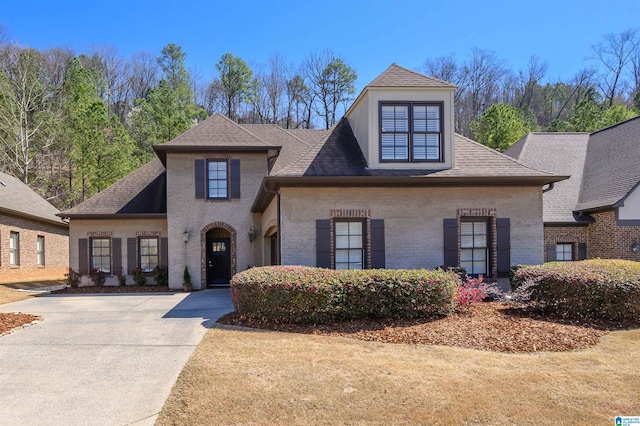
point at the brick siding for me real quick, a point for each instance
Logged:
(56, 250)
(565, 234)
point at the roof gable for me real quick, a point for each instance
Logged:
(142, 192)
(397, 76)
(17, 198)
(612, 166)
(562, 153)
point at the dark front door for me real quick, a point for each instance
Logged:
(274, 249)
(218, 261)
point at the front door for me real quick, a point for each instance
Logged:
(218, 261)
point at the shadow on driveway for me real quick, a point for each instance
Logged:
(208, 304)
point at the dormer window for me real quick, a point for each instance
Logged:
(411, 132)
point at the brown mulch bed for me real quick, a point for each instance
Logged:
(114, 289)
(11, 321)
(491, 326)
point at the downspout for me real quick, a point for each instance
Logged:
(278, 234)
(549, 188)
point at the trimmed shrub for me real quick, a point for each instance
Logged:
(590, 289)
(73, 278)
(160, 276)
(139, 277)
(512, 273)
(98, 277)
(315, 295)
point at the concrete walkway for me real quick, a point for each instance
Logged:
(101, 359)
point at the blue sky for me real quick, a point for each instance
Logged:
(370, 35)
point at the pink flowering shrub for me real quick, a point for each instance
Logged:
(590, 289)
(473, 290)
(315, 295)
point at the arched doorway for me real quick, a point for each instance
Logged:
(218, 254)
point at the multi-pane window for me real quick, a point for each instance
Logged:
(349, 245)
(40, 250)
(473, 247)
(564, 252)
(148, 250)
(411, 132)
(217, 178)
(14, 248)
(101, 254)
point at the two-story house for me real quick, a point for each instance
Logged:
(389, 186)
(595, 213)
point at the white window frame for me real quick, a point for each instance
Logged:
(349, 246)
(216, 192)
(101, 255)
(473, 246)
(14, 248)
(564, 252)
(40, 247)
(141, 253)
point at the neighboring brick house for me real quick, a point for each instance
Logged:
(595, 213)
(390, 185)
(34, 242)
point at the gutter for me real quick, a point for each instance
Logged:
(278, 233)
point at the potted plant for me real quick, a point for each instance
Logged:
(186, 280)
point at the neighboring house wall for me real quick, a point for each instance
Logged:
(631, 208)
(413, 219)
(364, 120)
(575, 235)
(197, 216)
(609, 241)
(56, 250)
(121, 233)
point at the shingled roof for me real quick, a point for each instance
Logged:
(338, 154)
(612, 166)
(141, 193)
(397, 76)
(16, 198)
(604, 167)
(562, 153)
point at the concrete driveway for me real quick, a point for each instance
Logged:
(101, 359)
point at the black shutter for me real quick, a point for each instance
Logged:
(323, 243)
(117, 256)
(377, 243)
(132, 262)
(234, 166)
(450, 243)
(199, 178)
(551, 252)
(582, 251)
(503, 235)
(164, 253)
(83, 256)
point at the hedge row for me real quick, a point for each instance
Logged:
(300, 294)
(591, 289)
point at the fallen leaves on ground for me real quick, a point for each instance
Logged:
(491, 326)
(12, 320)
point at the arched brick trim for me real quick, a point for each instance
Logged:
(203, 249)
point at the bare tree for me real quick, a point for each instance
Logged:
(142, 74)
(615, 53)
(274, 82)
(28, 113)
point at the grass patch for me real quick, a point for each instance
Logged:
(9, 294)
(255, 377)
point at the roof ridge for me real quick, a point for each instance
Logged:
(240, 126)
(291, 135)
(313, 148)
(615, 125)
(503, 155)
(423, 75)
